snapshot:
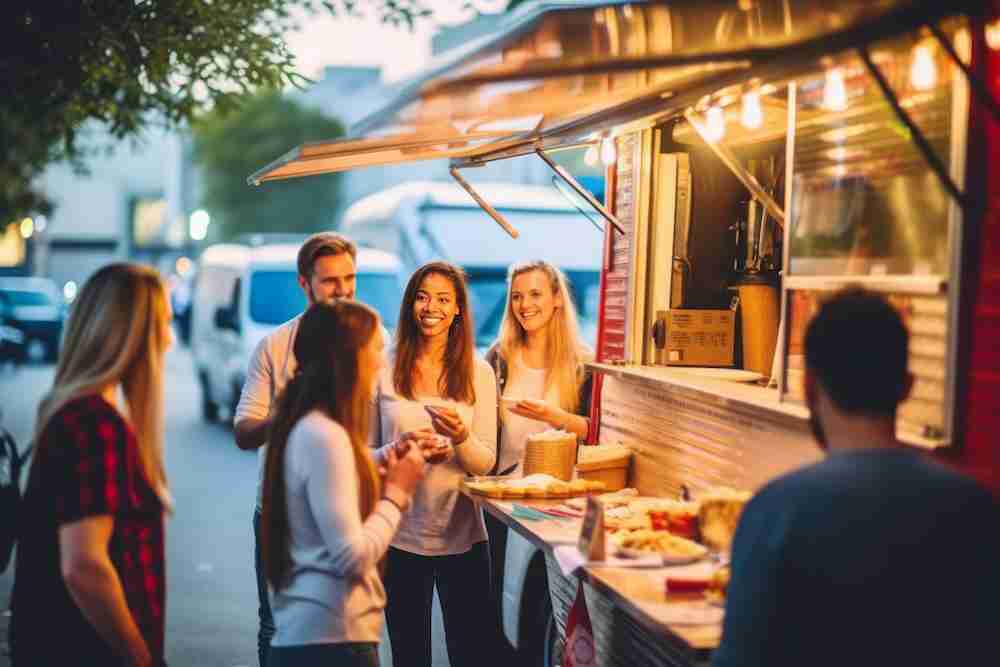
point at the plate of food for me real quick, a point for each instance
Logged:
(673, 549)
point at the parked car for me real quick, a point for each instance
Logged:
(11, 338)
(36, 308)
(243, 292)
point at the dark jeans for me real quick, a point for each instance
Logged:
(463, 587)
(318, 655)
(266, 628)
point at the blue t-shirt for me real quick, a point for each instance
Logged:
(874, 557)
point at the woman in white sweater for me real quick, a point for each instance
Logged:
(328, 518)
(435, 382)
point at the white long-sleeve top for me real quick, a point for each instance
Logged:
(441, 521)
(334, 594)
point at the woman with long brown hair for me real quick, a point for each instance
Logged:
(328, 517)
(89, 581)
(435, 383)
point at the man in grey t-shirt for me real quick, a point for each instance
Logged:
(326, 267)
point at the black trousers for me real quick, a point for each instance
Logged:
(317, 655)
(463, 586)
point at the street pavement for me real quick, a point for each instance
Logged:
(211, 594)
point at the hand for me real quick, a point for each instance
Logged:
(403, 474)
(448, 423)
(538, 411)
(434, 447)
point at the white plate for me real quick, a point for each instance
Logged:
(728, 374)
(667, 559)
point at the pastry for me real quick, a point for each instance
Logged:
(718, 516)
(535, 492)
(510, 491)
(558, 490)
(578, 487)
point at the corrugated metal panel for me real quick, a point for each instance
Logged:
(679, 436)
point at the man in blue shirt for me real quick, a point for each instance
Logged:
(877, 555)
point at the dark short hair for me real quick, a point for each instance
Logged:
(857, 346)
(322, 245)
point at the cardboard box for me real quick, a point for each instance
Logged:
(697, 338)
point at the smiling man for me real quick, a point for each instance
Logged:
(327, 271)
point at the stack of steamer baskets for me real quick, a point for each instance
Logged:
(551, 452)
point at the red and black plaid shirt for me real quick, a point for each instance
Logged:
(87, 464)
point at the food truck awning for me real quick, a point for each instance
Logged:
(556, 67)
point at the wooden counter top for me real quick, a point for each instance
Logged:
(639, 592)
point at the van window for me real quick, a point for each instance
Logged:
(275, 296)
(28, 298)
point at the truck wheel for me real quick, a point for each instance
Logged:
(209, 408)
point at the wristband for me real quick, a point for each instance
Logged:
(401, 507)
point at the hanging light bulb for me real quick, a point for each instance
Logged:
(751, 114)
(835, 90)
(993, 35)
(715, 123)
(923, 69)
(591, 156)
(609, 153)
(963, 45)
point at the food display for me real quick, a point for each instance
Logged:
(673, 548)
(718, 585)
(718, 515)
(538, 486)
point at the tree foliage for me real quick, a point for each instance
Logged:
(231, 146)
(129, 63)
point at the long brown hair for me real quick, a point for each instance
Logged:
(565, 353)
(328, 348)
(457, 380)
(117, 333)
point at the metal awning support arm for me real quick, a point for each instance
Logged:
(936, 165)
(975, 83)
(580, 190)
(483, 204)
(746, 178)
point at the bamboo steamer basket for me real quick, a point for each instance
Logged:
(550, 455)
(613, 472)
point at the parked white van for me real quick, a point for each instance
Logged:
(243, 292)
(424, 221)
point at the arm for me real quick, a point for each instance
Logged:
(478, 453)
(252, 420)
(332, 489)
(93, 583)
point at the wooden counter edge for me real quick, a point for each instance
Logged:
(592, 577)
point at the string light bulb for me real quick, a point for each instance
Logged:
(923, 69)
(715, 123)
(835, 90)
(591, 156)
(963, 45)
(993, 34)
(751, 114)
(609, 153)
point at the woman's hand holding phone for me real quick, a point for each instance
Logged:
(447, 422)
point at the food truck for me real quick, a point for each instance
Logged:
(760, 155)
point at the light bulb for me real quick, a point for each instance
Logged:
(993, 35)
(923, 70)
(715, 124)
(751, 115)
(609, 153)
(963, 45)
(835, 90)
(591, 156)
